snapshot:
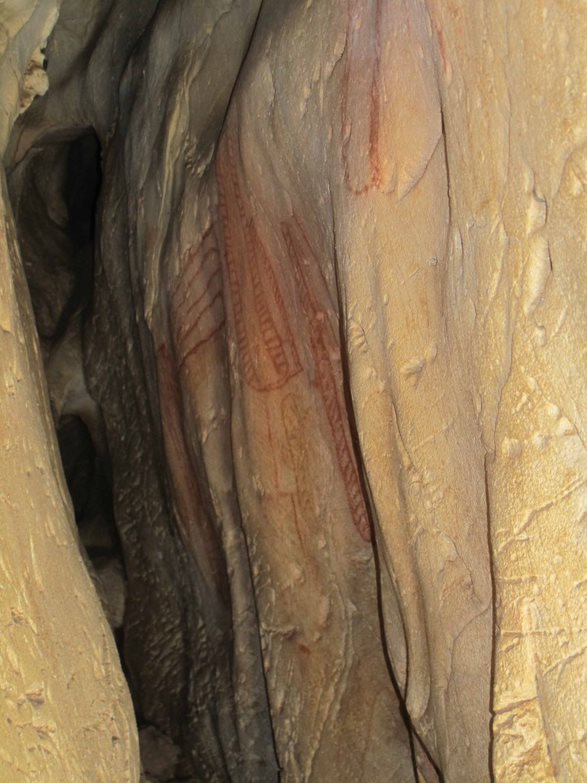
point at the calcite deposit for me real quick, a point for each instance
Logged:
(293, 392)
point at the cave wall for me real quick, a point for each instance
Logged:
(336, 338)
(65, 713)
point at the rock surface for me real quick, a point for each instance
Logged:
(65, 710)
(333, 350)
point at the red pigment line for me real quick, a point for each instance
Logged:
(230, 255)
(249, 371)
(291, 427)
(272, 450)
(233, 174)
(195, 524)
(282, 310)
(329, 391)
(326, 381)
(183, 337)
(373, 177)
(200, 344)
(234, 287)
(204, 336)
(191, 254)
(208, 286)
(191, 272)
(181, 343)
(186, 327)
(345, 124)
(271, 339)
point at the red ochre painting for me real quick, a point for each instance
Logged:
(267, 353)
(197, 307)
(325, 349)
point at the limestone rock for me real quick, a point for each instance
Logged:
(65, 712)
(332, 349)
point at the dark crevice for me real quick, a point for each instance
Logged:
(55, 197)
(82, 184)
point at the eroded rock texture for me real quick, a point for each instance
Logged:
(65, 711)
(308, 279)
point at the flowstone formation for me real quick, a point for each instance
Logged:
(294, 391)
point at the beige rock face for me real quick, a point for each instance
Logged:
(65, 711)
(337, 341)
(25, 27)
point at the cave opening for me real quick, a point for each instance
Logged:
(55, 192)
(55, 195)
(79, 424)
(55, 198)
